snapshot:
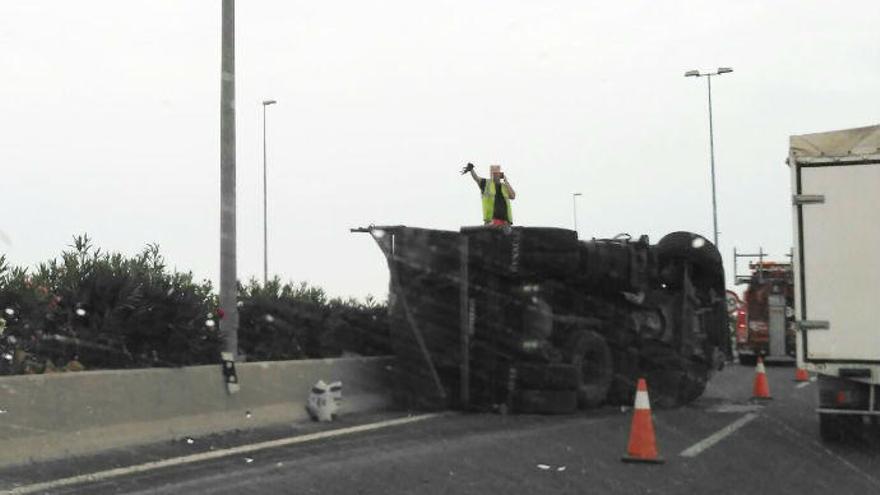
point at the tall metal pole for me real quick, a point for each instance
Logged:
(712, 158)
(574, 211)
(228, 270)
(708, 76)
(266, 103)
(265, 209)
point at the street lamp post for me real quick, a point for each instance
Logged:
(574, 210)
(228, 268)
(708, 76)
(266, 103)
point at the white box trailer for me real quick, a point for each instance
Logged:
(835, 179)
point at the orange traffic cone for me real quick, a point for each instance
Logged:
(761, 390)
(642, 444)
(801, 375)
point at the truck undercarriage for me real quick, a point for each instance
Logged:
(530, 319)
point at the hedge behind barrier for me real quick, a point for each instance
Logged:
(94, 310)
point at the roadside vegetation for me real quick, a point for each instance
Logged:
(90, 309)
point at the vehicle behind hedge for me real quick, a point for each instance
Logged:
(533, 320)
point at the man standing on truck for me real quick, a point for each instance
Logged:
(496, 193)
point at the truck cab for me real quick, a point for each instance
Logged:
(770, 329)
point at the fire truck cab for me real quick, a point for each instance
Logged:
(770, 329)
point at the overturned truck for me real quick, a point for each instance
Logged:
(532, 320)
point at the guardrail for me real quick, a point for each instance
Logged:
(53, 416)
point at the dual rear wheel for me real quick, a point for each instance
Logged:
(582, 381)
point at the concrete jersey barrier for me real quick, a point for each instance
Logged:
(53, 416)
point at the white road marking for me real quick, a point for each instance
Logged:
(216, 454)
(736, 408)
(802, 384)
(697, 448)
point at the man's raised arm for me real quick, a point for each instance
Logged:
(470, 168)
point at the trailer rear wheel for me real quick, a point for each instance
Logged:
(589, 353)
(839, 427)
(545, 401)
(829, 428)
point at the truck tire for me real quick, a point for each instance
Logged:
(696, 377)
(829, 428)
(838, 428)
(696, 249)
(544, 239)
(673, 380)
(663, 387)
(589, 353)
(545, 401)
(543, 251)
(547, 376)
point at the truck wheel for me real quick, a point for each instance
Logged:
(829, 428)
(543, 239)
(839, 427)
(589, 353)
(696, 377)
(699, 251)
(665, 386)
(547, 376)
(672, 379)
(545, 251)
(545, 401)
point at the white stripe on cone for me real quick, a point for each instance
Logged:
(760, 368)
(642, 400)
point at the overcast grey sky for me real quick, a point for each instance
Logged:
(110, 120)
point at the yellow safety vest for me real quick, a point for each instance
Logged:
(489, 202)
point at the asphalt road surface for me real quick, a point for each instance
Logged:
(722, 443)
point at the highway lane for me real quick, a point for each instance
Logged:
(777, 450)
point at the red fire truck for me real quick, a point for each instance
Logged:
(769, 328)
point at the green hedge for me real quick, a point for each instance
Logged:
(299, 321)
(90, 309)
